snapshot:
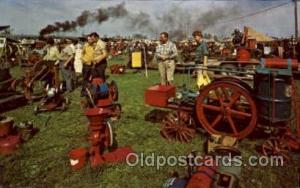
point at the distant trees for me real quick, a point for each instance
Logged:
(139, 36)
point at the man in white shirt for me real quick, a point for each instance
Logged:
(52, 51)
(166, 53)
(66, 64)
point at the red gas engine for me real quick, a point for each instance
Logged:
(102, 107)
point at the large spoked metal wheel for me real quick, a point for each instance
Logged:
(226, 108)
(276, 147)
(178, 126)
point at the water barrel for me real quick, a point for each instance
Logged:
(273, 97)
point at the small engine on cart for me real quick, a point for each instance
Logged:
(101, 107)
(102, 94)
(11, 135)
(53, 100)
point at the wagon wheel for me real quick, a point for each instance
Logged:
(276, 147)
(226, 108)
(113, 91)
(178, 126)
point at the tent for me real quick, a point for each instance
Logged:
(250, 33)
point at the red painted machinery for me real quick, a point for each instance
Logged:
(243, 55)
(100, 138)
(9, 141)
(101, 108)
(53, 100)
(117, 69)
(229, 106)
(42, 74)
(103, 95)
(11, 136)
(10, 98)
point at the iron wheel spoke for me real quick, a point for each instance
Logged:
(232, 125)
(217, 120)
(211, 107)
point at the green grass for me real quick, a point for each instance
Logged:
(43, 161)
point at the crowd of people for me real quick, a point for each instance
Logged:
(89, 60)
(91, 57)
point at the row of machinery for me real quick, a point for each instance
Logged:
(231, 107)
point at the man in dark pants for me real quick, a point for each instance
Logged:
(100, 56)
(87, 59)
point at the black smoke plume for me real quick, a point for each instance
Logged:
(178, 22)
(86, 17)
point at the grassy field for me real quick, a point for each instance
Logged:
(43, 161)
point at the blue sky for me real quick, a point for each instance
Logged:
(29, 16)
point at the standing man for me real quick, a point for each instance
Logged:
(52, 52)
(166, 53)
(201, 59)
(100, 55)
(51, 58)
(87, 60)
(67, 64)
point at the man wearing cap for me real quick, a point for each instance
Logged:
(166, 53)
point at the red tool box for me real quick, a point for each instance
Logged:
(158, 95)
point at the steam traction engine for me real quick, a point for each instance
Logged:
(229, 106)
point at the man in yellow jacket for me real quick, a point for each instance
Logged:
(100, 55)
(94, 57)
(87, 59)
